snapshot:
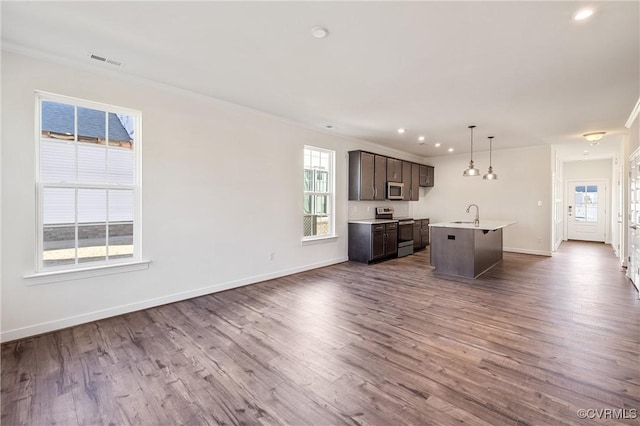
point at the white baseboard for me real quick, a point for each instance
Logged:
(557, 245)
(46, 327)
(527, 251)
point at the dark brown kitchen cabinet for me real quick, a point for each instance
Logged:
(411, 180)
(420, 234)
(414, 193)
(394, 170)
(406, 180)
(371, 242)
(367, 176)
(391, 239)
(417, 235)
(377, 243)
(379, 177)
(426, 175)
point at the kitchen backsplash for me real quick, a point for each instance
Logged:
(367, 209)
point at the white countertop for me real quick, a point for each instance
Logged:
(374, 221)
(379, 221)
(485, 225)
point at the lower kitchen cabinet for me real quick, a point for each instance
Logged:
(370, 242)
(420, 234)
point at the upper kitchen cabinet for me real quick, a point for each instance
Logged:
(394, 170)
(426, 175)
(411, 180)
(406, 179)
(415, 182)
(367, 176)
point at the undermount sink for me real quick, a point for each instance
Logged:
(463, 221)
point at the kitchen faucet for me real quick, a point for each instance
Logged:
(476, 221)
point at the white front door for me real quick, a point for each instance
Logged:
(586, 210)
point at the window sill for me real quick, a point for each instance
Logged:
(92, 271)
(319, 240)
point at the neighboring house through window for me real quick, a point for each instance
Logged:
(88, 183)
(318, 192)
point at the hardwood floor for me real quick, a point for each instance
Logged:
(532, 342)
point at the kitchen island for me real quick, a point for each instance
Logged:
(464, 249)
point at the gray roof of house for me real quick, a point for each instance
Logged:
(58, 118)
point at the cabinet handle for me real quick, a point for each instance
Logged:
(375, 191)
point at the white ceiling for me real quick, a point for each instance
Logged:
(524, 72)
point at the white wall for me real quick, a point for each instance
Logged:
(588, 169)
(558, 200)
(524, 178)
(222, 188)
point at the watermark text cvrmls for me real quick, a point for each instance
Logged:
(608, 413)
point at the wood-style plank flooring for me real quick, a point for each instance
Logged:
(531, 342)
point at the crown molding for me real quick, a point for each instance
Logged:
(633, 116)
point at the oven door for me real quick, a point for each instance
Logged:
(405, 231)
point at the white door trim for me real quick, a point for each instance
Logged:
(568, 200)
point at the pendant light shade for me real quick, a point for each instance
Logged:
(471, 170)
(490, 175)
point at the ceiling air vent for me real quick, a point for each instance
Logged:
(105, 60)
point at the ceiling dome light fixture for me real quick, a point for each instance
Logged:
(594, 136)
(490, 175)
(319, 32)
(582, 14)
(471, 170)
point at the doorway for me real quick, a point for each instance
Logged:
(587, 210)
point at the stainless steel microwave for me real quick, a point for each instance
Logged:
(395, 190)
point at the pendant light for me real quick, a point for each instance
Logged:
(490, 175)
(471, 170)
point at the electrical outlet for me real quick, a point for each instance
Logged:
(272, 256)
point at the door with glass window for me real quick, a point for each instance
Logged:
(586, 210)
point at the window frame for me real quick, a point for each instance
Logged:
(40, 185)
(330, 194)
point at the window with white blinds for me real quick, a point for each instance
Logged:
(88, 183)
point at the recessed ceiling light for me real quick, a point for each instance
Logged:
(438, 145)
(420, 138)
(319, 32)
(401, 131)
(582, 14)
(450, 149)
(329, 126)
(586, 151)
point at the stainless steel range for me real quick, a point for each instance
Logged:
(405, 230)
